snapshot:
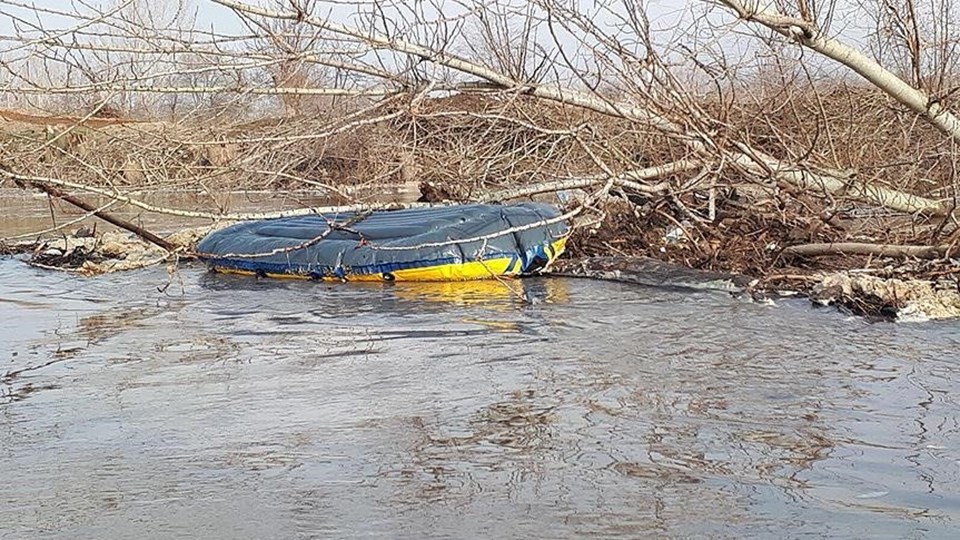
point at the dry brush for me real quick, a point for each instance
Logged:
(669, 141)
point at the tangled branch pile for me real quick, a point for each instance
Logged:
(774, 164)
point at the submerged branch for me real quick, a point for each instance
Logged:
(109, 218)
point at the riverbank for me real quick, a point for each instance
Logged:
(636, 196)
(884, 293)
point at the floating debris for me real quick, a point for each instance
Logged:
(910, 300)
(93, 255)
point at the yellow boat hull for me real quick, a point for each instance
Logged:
(504, 267)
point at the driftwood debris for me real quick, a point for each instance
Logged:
(96, 255)
(910, 300)
(878, 250)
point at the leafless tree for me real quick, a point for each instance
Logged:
(682, 117)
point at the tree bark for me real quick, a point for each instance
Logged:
(878, 250)
(109, 218)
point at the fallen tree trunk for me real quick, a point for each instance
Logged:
(878, 250)
(838, 183)
(109, 218)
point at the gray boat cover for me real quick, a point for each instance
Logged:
(430, 244)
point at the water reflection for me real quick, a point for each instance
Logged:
(438, 410)
(498, 295)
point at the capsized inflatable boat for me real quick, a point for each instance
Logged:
(451, 243)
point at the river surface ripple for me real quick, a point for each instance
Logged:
(230, 407)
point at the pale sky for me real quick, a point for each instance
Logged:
(663, 14)
(666, 16)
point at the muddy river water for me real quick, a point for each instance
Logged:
(230, 407)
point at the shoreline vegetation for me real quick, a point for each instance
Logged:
(805, 165)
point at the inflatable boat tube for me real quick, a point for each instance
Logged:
(451, 243)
